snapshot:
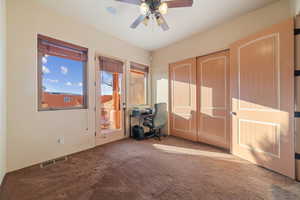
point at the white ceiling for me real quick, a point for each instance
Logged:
(183, 22)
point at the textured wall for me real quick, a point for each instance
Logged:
(33, 135)
(295, 7)
(215, 39)
(2, 89)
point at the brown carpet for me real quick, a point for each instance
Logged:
(168, 170)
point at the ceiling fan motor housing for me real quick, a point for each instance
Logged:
(153, 5)
(156, 8)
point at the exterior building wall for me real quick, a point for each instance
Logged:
(58, 100)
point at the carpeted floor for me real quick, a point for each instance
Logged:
(168, 170)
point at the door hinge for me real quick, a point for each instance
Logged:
(95, 83)
(95, 109)
(95, 133)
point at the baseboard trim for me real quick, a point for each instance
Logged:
(69, 156)
(2, 183)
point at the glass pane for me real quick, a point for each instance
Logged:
(111, 87)
(138, 88)
(62, 83)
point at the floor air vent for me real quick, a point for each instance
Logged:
(52, 162)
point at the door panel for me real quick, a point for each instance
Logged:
(213, 96)
(259, 74)
(262, 98)
(183, 99)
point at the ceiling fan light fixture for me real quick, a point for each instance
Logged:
(146, 21)
(159, 20)
(156, 9)
(144, 8)
(163, 8)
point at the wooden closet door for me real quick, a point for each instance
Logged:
(262, 85)
(183, 99)
(213, 99)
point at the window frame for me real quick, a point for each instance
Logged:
(147, 75)
(67, 99)
(40, 56)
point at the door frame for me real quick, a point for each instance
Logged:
(117, 135)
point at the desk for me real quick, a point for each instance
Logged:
(140, 117)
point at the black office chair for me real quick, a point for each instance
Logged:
(157, 121)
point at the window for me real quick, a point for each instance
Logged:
(62, 75)
(138, 84)
(67, 99)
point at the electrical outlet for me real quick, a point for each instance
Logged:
(61, 140)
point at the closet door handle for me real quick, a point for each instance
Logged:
(233, 113)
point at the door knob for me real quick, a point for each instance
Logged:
(233, 113)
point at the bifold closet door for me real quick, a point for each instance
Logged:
(182, 83)
(262, 95)
(213, 99)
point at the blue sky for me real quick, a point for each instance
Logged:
(107, 77)
(62, 75)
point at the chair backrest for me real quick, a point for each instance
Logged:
(160, 115)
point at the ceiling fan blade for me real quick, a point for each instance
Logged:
(138, 21)
(179, 3)
(163, 23)
(136, 2)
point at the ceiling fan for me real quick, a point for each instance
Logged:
(155, 9)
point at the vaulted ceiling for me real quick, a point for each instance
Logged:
(115, 18)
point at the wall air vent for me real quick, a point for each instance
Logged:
(52, 162)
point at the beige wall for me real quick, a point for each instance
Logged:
(32, 135)
(295, 7)
(212, 40)
(2, 89)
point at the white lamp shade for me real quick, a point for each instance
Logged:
(163, 8)
(144, 9)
